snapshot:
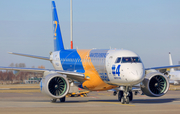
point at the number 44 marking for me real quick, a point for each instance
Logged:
(116, 70)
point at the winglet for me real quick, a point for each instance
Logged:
(58, 42)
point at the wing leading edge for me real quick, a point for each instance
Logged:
(163, 67)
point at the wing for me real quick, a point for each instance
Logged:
(32, 56)
(163, 67)
(72, 75)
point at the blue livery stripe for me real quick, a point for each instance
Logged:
(71, 61)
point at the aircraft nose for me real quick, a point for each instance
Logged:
(137, 74)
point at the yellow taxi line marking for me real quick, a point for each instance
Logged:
(113, 103)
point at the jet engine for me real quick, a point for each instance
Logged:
(54, 85)
(155, 84)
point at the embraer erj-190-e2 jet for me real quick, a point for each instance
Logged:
(173, 75)
(95, 70)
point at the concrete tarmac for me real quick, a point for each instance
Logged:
(95, 103)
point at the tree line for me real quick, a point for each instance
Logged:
(7, 76)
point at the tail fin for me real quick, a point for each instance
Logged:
(170, 62)
(58, 42)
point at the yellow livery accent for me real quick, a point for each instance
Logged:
(93, 81)
(55, 22)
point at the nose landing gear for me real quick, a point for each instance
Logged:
(126, 95)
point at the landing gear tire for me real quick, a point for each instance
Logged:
(130, 96)
(120, 95)
(62, 99)
(53, 100)
(127, 100)
(123, 100)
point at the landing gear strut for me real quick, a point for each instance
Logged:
(125, 96)
(120, 95)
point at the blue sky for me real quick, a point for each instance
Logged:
(149, 28)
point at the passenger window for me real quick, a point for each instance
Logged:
(118, 60)
(126, 60)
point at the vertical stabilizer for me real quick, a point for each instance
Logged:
(58, 42)
(170, 62)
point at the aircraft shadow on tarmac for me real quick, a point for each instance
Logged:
(142, 101)
(149, 101)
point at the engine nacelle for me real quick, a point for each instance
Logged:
(155, 84)
(54, 85)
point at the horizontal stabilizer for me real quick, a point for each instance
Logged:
(32, 56)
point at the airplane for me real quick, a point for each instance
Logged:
(174, 76)
(95, 70)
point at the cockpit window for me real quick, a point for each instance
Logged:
(136, 59)
(118, 60)
(126, 60)
(131, 60)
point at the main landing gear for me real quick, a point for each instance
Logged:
(61, 99)
(125, 96)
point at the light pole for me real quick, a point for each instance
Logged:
(71, 25)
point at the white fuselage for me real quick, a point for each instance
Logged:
(115, 67)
